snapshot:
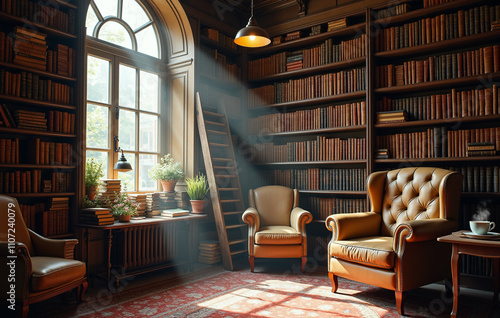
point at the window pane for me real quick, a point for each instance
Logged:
(149, 92)
(145, 182)
(107, 7)
(91, 21)
(127, 130)
(115, 33)
(101, 157)
(128, 83)
(128, 178)
(98, 80)
(134, 14)
(147, 42)
(148, 132)
(97, 127)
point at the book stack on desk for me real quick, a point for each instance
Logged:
(174, 212)
(209, 252)
(96, 216)
(140, 199)
(107, 191)
(182, 200)
(158, 201)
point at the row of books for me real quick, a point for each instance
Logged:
(9, 151)
(346, 115)
(61, 60)
(322, 85)
(31, 182)
(318, 179)
(321, 208)
(29, 85)
(480, 178)
(321, 149)
(218, 65)
(326, 53)
(220, 37)
(439, 28)
(455, 104)
(30, 212)
(437, 142)
(392, 11)
(49, 152)
(53, 120)
(430, 3)
(47, 219)
(54, 222)
(447, 66)
(43, 14)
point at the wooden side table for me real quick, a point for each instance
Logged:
(476, 247)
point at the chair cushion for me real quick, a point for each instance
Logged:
(278, 235)
(374, 251)
(50, 272)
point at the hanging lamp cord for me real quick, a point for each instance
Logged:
(251, 9)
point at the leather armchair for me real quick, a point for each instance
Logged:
(35, 268)
(394, 245)
(276, 225)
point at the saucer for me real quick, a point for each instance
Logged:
(487, 236)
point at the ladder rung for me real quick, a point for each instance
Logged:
(212, 113)
(238, 252)
(218, 145)
(237, 241)
(235, 226)
(222, 167)
(229, 189)
(222, 159)
(230, 201)
(225, 175)
(214, 123)
(216, 132)
(232, 213)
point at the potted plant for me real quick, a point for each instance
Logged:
(123, 207)
(93, 175)
(197, 189)
(168, 171)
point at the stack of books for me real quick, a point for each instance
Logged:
(495, 25)
(97, 216)
(209, 252)
(337, 24)
(26, 119)
(316, 29)
(174, 212)
(140, 199)
(107, 191)
(392, 11)
(478, 149)
(294, 61)
(392, 116)
(55, 218)
(382, 154)
(293, 36)
(30, 48)
(182, 199)
(278, 39)
(158, 201)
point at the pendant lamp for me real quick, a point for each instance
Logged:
(252, 35)
(122, 164)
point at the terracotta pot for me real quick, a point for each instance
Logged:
(197, 206)
(124, 218)
(91, 192)
(168, 185)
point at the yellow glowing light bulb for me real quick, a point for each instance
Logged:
(252, 37)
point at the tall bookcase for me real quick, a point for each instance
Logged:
(312, 129)
(40, 97)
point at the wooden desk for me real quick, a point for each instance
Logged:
(146, 245)
(476, 247)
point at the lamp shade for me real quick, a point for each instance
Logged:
(252, 35)
(122, 164)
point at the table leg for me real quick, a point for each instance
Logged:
(496, 275)
(87, 240)
(110, 238)
(455, 273)
(192, 239)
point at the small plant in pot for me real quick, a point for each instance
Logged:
(93, 175)
(168, 172)
(123, 207)
(197, 189)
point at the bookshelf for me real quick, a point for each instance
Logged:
(40, 112)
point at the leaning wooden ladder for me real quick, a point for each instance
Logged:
(224, 182)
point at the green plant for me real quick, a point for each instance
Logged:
(167, 169)
(122, 205)
(93, 172)
(197, 187)
(87, 203)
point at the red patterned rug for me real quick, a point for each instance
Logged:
(245, 294)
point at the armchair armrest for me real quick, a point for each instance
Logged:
(422, 230)
(63, 248)
(252, 218)
(299, 218)
(17, 270)
(349, 225)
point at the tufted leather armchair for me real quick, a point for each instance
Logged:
(276, 225)
(394, 245)
(42, 267)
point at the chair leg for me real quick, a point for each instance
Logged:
(335, 281)
(80, 292)
(26, 309)
(303, 265)
(400, 299)
(251, 261)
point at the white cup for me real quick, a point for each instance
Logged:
(481, 227)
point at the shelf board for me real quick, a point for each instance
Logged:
(32, 70)
(314, 101)
(34, 102)
(37, 26)
(41, 194)
(435, 122)
(356, 193)
(351, 30)
(35, 166)
(435, 85)
(221, 47)
(305, 163)
(18, 131)
(412, 161)
(426, 49)
(311, 70)
(318, 131)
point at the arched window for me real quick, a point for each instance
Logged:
(126, 89)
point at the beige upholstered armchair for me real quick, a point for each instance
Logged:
(394, 245)
(41, 268)
(276, 225)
